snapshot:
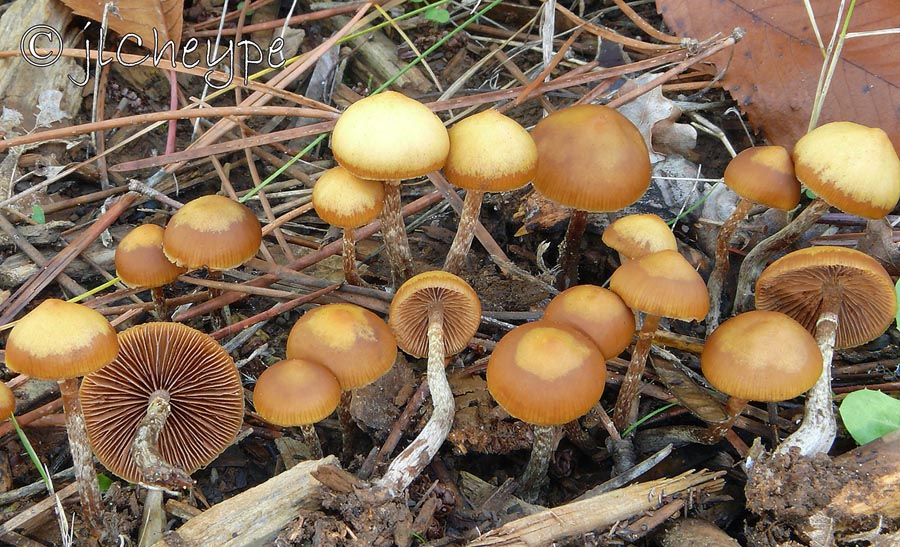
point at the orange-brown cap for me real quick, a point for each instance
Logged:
(389, 136)
(296, 392)
(592, 158)
(663, 284)
(546, 374)
(639, 235)
(58, 340)
(597, 312)
(345, 200)
(354, 343)
(764, 174)
(408, 316)
(490, 152)
(851, 166)
(7, 402)
(213, 232)
(795, 285)
(761, 356)
(140, 261)
(205, 396)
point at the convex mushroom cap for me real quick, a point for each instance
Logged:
(765, 175)
(140, 261)
(598, 313)
(663, 284)
(296, 392)
(342, 199)
(639, 235)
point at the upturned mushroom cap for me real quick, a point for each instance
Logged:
(490, 152)
(546, 374)
(354, 343)
(206, 398)
(7, 402)
(345, 200)
(592, 158)
(296, 392)
(598, 313)
(851, 166)
(795, 283)
(761, 356)
(140, 261)
(408, 316)
(58, 340)
(389, 136)
(639, 235)
(663, 284)
(213, 232)
(764, 174)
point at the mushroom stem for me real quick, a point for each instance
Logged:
(465, 231)
(715, 432)
(409, 463)
(536, 472)
(625, 412)
(159, 303)
(720, 270)
(349, 253)
(394, 231)
(756, 260)
(153, 522)
(311, 439)
(568, 251)
(347, 426)
(153, 469)
(82, 457)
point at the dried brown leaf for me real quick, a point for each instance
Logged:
(139, 17)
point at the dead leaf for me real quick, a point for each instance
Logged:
(773, 71)
(654, 115)
(140, 17)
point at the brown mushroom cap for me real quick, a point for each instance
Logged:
(663, 284)
(140, 261)
(490, 152)
(206, 398)
(761, 356)
(592, 158)
(546, 374)
(764, 174)
(639, 235)
(408, 316)
(7, 402)
(794, 285)
(296, 392)
(58, 340)
(342, 199)
(213, 232)
(389, 136)
(851, 166)
(354, 343)
(597, 312)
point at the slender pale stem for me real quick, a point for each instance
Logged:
(150, 464)
(159, 303)
(349, 253)
(536, 472)
(153, 522)
(715, 432)
(394, 230)
(82, 457)
(720, 270)
(625, 412)
(465, 232)
(569, 250)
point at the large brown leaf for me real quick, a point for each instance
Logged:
(774, 70)
(139, 17)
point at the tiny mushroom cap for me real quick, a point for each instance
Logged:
(639, 235)
(761, 356)
(408, 316)
(597, 312)
(796, 283)
(389, 136)
(59, 340)
(213, 232)
(490, 152)
(140, 261)
(296, 392)
(342, 199)
(765, 175)
(7, 402)
(354, 343)
(546, 374)
(851, 166)
(204, 389)
(663, 284)
(592, 158)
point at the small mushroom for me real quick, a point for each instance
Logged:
(7, 402)
(140, 262)
(598, 313)
(638, 235)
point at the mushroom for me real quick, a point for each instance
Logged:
(545, 374)
(140, 262)
(433, 314)
(661, 284)
(634, 236)
(764, 175)
(593, 159)
(7, 402)
(390, 137)
(297, 392)
(347, 201)
(61, 341)
(758, 356)
(489, 152)
(842, 296)
(596, 312)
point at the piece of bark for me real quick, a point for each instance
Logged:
(256, 516)
(873, 489)
(38, 234)
(695, 533)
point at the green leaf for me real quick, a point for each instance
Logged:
(105, 481)
(37, 214)
(809, 193)
(868, 415)
(437, 15)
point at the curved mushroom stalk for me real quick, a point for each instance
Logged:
(625, 412)
(465, 232)
(351, 274)
(82, 457)
(150, 464)
(720, 270)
